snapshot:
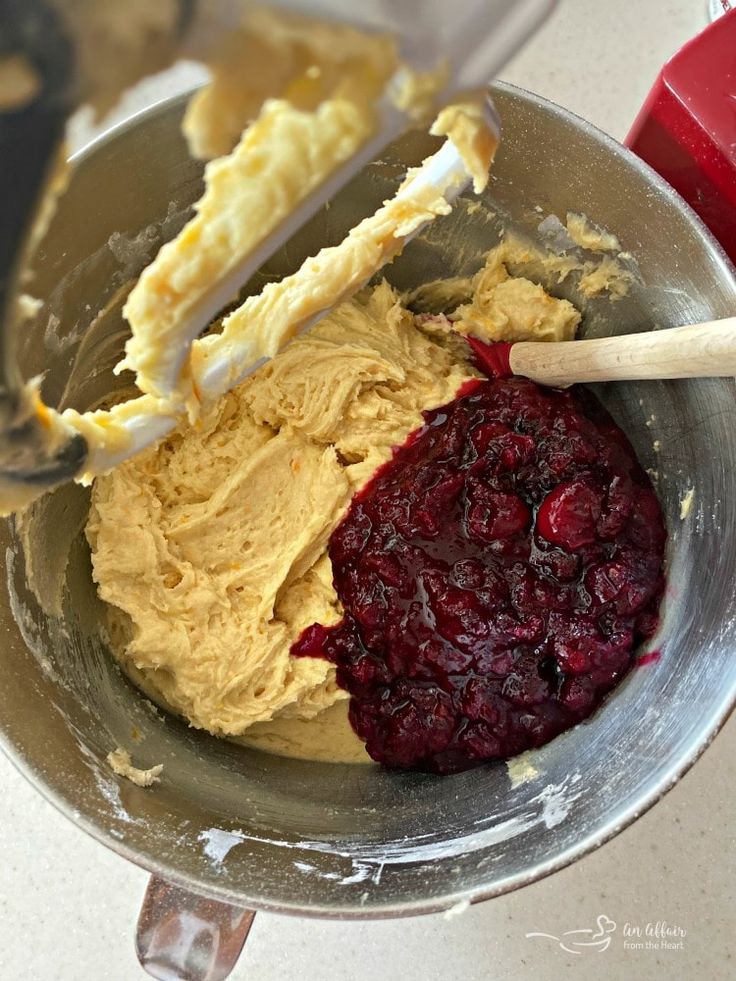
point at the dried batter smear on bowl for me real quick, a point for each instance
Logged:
(216, 550)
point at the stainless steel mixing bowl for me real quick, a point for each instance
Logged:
(353, 841)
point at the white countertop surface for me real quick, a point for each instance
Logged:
(68, 906)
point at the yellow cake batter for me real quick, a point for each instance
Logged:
(211, 547)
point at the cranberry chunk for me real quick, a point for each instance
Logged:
(494, 514)
(568, 516)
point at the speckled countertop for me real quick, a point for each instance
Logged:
(68, 906)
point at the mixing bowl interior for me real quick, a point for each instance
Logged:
(354, 840)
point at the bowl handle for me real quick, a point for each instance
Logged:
(181, 935)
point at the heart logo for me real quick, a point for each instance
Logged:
(605, 925)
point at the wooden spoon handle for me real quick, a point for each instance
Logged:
(705, 350)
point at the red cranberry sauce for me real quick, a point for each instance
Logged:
(497, 576)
